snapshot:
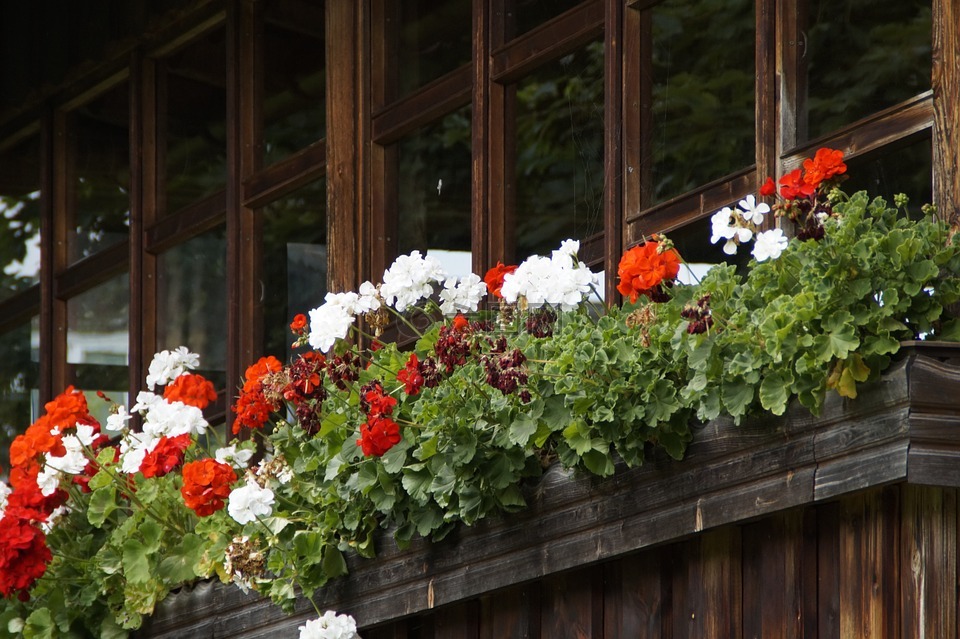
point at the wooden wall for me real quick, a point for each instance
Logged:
(882, 563)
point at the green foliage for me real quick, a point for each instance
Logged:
(605, 390)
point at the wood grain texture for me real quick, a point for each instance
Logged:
(946, 109)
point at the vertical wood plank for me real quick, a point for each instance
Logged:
(791, 71)
(773, 579)
(48, 229)
(513, 613)
(395, 630)
(928, 560)
(708, 593)
(869, 564)
(946, 109)
(613, 160)
(345, 113)
(460, 621)
(766, 118)
(633, 77)
(63, 216)
(571, 606)
(136, 319)
(633, 595)
(828, 563)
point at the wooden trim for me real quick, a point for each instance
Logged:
(767, 115)
(19, 308)
(613, 153)
(946, 109)
(551, 40)
(636, 73)
(791, 71)
(483, 243)
(346, 112)
(93, 270)
(286, 176)
(136, 364)
(440, 97)
(61, 213)
(870, 133)
(150, 157)
(692, 206)
(188, 222)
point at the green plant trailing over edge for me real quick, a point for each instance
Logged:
(604, 387)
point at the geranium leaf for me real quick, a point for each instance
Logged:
(136, 562)
(773, 393)
(103, 502)
(178, 566)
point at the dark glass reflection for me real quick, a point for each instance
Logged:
(434, 191)
(294, 77)
(702, 113)
(692, 241)
(294, 264)
(19, 384)
(98, 336)
(523, 15)
(192, 301)
(195, 123)
(99, 175)
(559, 129)
(863, 56)
(19, 217)
(435, 37)
(902, 168)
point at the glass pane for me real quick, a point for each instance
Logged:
(559, 129)
(100, 174)
(862, 57)
(702, 119)
(192, 301)
(434, 192)
(524, 15)
(98, 337)
(294, 268)
(19, 384)
(294, 77)
(19, 217)
(904, 168)
(435, 37)
(195, 123)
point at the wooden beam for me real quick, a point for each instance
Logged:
(946, 109)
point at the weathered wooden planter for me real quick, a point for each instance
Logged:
(843, 525)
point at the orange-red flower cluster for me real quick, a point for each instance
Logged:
(165, 456)
(252, 406)
(379, 433)
(190, 389)
(494, 278)
(24, 554)
(645, 268)
(823, 167)
(206, 483)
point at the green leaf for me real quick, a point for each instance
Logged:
(334, 564)
(522, 428)
(773, 393)
(179, 565)
(39, 625)
(598, 463)
(950, 331)
(136, 562)
(103, 502)
(736, 397)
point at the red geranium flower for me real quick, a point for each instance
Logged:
(378, 435)
(793, 186)
(494, 278)
(769, 188)
(192, 390)
(645, 267)
(825, 164)
(165, 456)
(299, 323)
(206, 483)
(258, 370)
(410, 375)
(24, 554)
(460, 323)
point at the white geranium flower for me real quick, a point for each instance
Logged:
(724, 227)
(238, 458)
(118, 421)
(751, 211)
(174, 418)
(168, 365)
(145, 402)
(769, 245)
(463, 295)
(133, 448)
(543, 280)
(330, 626)
(58, 513)
(248, 502)
(567, 252)
(329, 322)
(409, 279)
(5, 491)
(369, 299)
